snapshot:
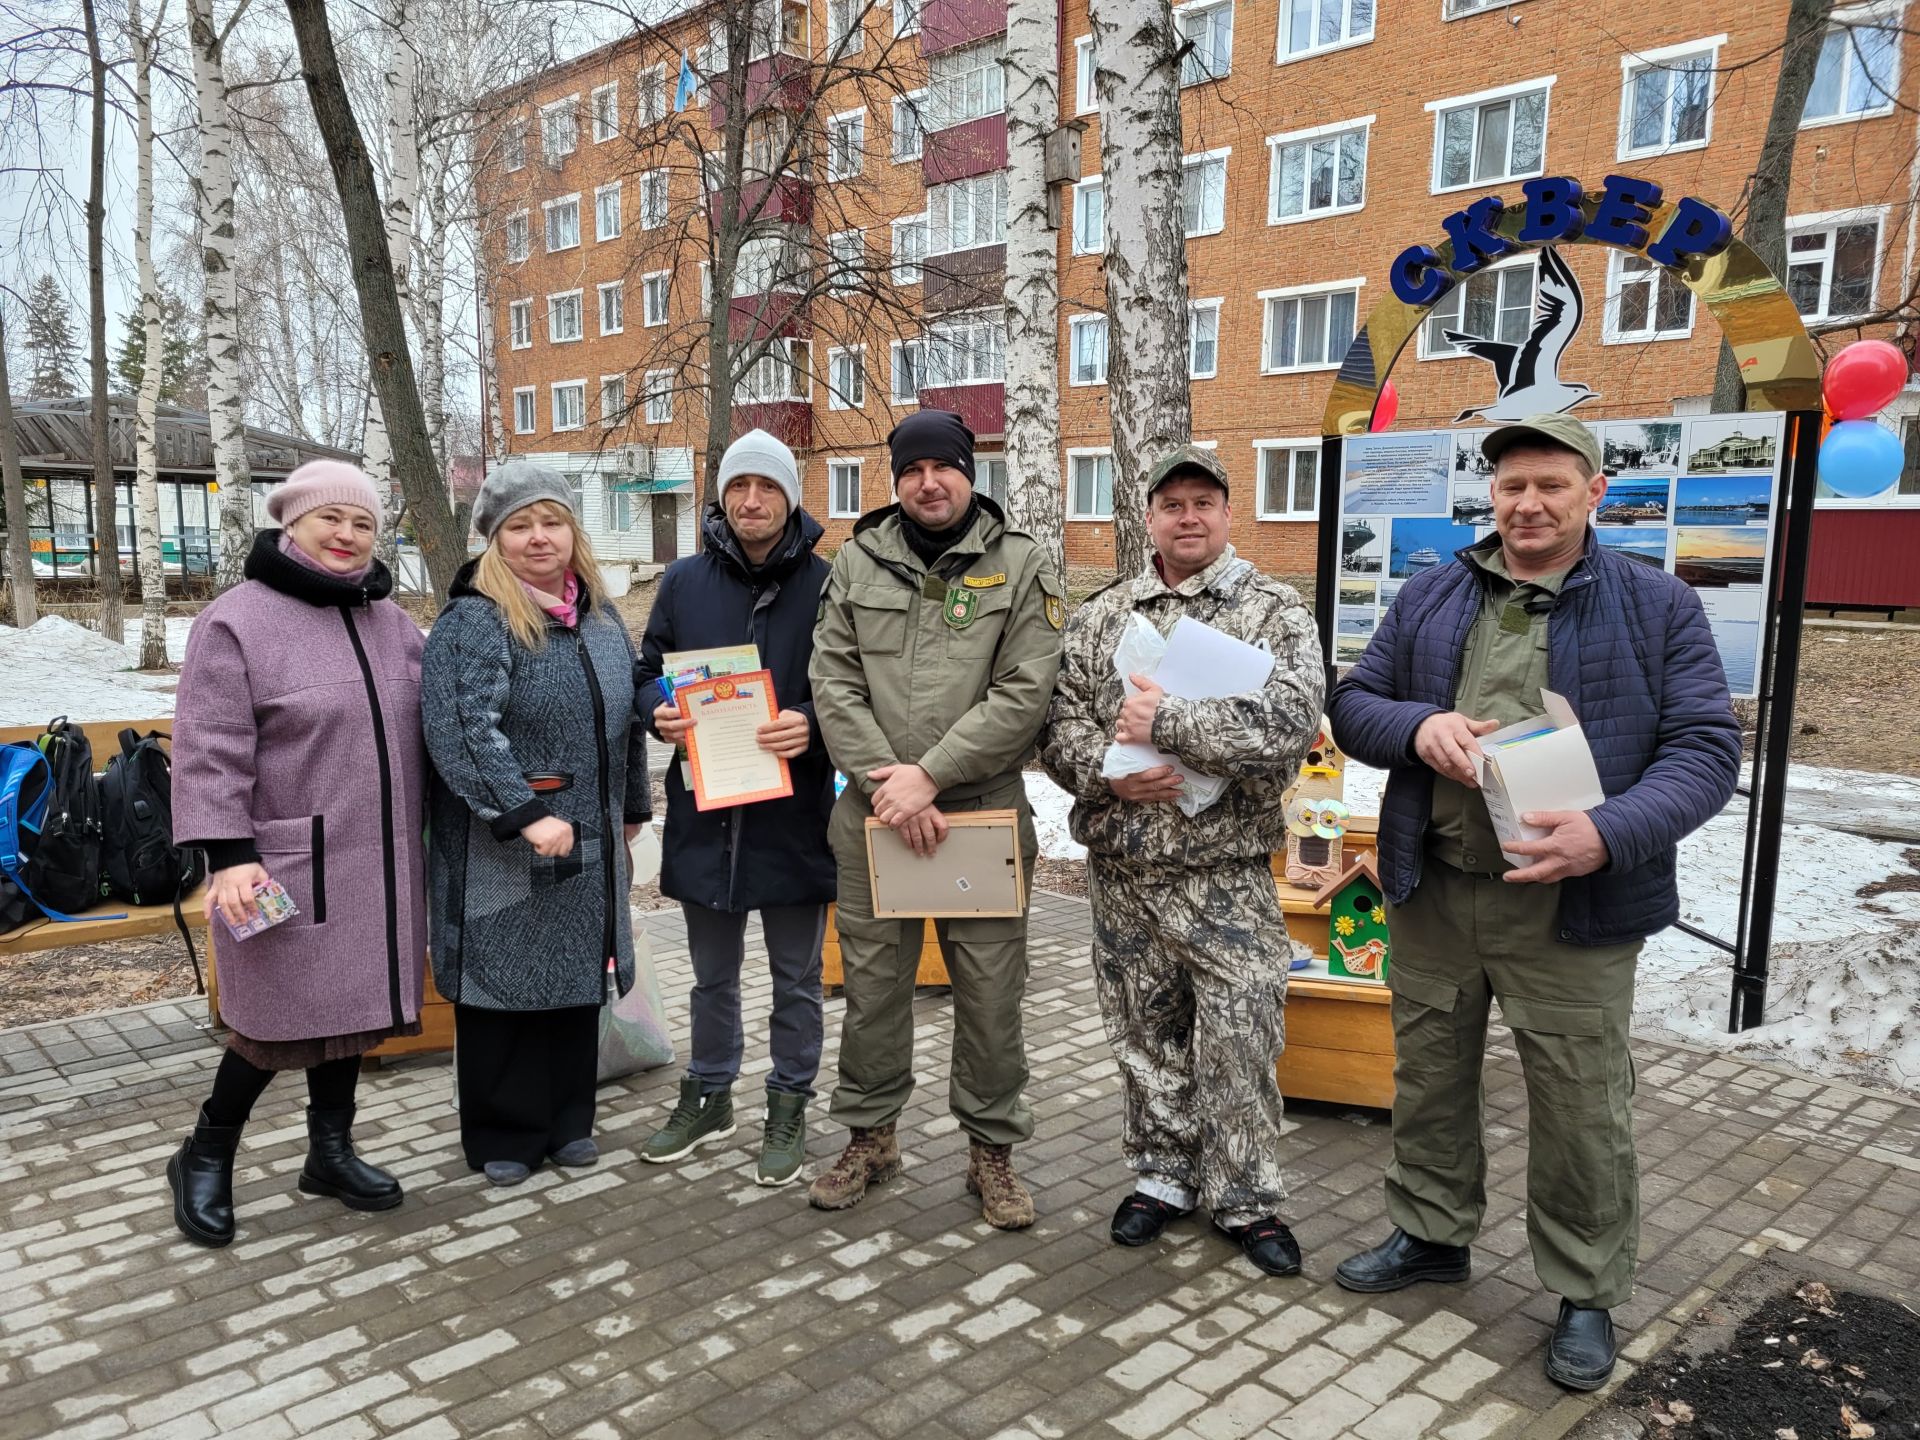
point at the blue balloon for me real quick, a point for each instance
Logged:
(1860, 458)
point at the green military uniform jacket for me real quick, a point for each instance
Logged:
(949, 670)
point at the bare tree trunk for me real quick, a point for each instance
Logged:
(1766, 224)
(106, 528)
(26, 608)
(381, 317)
(213, 187)
(1138, 84)
(1033, 280)
(399, 76)
(430, 314)
(146, 474)
(490, 367)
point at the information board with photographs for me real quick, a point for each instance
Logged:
(1693, 496)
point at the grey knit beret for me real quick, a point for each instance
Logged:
(514, 486)
(759, 453)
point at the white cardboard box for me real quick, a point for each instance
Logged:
(1552, 771)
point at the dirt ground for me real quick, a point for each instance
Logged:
(1858, 695)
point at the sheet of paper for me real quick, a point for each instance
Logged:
(723, 751)
(718, 660)
(1203, 663)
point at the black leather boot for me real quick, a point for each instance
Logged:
(201, 1176)
(1401, 1260)
(1580, 1354)
(333, 1169)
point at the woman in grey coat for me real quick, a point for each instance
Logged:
(540, 779)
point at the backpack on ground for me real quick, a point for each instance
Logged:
(63, 875)
(138, 860)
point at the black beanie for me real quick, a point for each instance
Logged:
(932, 435)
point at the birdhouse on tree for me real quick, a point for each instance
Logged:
(1357, 944)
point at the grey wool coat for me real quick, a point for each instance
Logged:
(512, 930)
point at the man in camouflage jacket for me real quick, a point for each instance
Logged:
(1190, 952)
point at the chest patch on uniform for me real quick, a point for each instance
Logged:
(983, 582)
(959, 607)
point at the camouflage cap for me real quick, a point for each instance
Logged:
(1187, 458)
(1561, 431)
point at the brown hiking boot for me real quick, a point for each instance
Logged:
(871, 1158)
(1004, 1201)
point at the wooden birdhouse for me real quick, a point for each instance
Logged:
(1357, 942)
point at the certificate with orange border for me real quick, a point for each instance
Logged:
(729, 766)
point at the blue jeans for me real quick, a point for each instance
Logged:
(717, 941)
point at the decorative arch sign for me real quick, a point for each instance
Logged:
(1723, 501)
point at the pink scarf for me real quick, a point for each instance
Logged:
(564, 607)
(294, 552)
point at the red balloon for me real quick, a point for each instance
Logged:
(1388, 405)
(1863, 378)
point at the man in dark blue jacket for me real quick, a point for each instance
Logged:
(757, 582)
(1465, 649)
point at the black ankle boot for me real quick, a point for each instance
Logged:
(201, 1176)
(333, 1169)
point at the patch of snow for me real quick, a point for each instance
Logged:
(1050, 806)
(56, 667)
(178, 627)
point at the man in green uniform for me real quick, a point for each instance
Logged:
(1467, 648)
(933, 662)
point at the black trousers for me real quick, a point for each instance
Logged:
(526, 1080)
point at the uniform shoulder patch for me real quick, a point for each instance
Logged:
(1056, 611)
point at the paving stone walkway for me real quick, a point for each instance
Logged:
(636, 1301)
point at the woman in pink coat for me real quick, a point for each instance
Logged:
(297, 757)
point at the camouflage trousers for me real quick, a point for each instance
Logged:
(1191, 967)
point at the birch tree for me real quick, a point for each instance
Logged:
(1137, 81)
(13, 487)
(106, 529)
(1033, 280)
(146, 474)
(399, 75)
(213, 190)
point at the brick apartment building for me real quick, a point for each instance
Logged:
(1322, 137)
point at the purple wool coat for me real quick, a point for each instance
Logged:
(296, 742)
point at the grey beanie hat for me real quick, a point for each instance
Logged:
(514, 486)
(758, 453)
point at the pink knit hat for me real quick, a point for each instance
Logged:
(323, 482)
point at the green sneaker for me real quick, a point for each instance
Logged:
(697, 1119)
(785, 1143)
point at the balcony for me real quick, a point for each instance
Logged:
(959, 152)
(779, 80)
(778, 312)
(791, 421)
(964, 279)
(949, 24)
(982, 406)
(788, 197)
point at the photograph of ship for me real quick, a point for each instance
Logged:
(1649, 546)
(1722, 500)
(1467, 459)
(1633, 502)
(1420, 544)
(1716, 556)
(1646, 449)
(1352, 594)
(1472, 503)
(1733, 442)
(1363, 546)
(1354, 620)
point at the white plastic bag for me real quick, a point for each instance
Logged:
(1138, 653)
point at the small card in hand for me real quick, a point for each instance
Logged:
(274, 905)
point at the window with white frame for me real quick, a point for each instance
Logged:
(1456, 8)
(563, 222)
(653, 199)
(909, 135)
(1087, 350)
(1855, 74)
(1667, 100)
(990, 478)
(847, 378)
(653, 296)
(606, 112)
(906, 16)
(560, 129)
(1322, 171)
(1494, 135)
(622, 510)
(520, 324)
(513, 146)
(1645, 301)
(1308, 327)
(523, 405)
(1310, 26)
(1208, 26)
(606, 212)
(966, 84)
(909, 371)
(1495, 304)
(846, 258)
(967, 213)
(613, 307)
(844, 34)
(1203, 339)
(659, 393)
(613, 399)
(651, 107)
(1085, 101)
(967, 349)
(563, 317)
(1089, 217)
(843, 489)
(570, 405)
(1089, 484)
(909, 249)
(767, 263)
(1203, 193)
(1832, 263)
(778, 374)
(517, 241)
(706, 287)
(846, 145)
(1289, 481)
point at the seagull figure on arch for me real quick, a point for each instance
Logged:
(1529, 373)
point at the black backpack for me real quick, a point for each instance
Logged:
(63, 873)
(138, 861)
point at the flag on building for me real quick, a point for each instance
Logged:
(683, 92)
